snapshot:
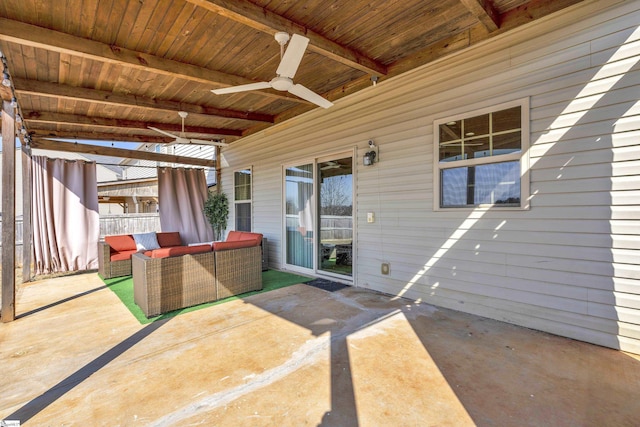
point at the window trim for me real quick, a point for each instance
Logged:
(236, 202)
(522, 156)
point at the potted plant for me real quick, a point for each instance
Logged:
(216, 209)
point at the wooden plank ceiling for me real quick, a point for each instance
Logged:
(109, 69)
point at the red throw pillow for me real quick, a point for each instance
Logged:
(169, 238)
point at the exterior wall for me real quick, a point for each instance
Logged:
(569, 264)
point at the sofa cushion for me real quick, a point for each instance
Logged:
(146, 241)
(238, 244)
(122, 255)
(169, 238)
(235, 236)
(120, 243)
(179, 250)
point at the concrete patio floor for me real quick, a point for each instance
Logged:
(297, 356)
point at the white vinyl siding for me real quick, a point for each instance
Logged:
(568, 265)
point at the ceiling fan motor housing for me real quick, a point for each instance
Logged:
(282, 38)
(281, 83)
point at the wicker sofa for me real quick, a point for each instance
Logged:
(114, 254)
(170, 283)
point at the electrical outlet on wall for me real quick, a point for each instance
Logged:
(385, 268)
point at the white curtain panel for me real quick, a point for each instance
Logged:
(181, 196)
(66, 222)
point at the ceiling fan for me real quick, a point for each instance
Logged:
(289, 62)
(330, 165)
(184, 140)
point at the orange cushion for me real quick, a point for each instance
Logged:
(252, 236)
(235, 236)
(123, 255)
(224, 246)
(120, 243)
(179, 250)
(169, 238)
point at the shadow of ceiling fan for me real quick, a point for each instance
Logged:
(182, 139)
(283, 81)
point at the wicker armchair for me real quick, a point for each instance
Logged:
(108, 268)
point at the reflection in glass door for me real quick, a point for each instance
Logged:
(299, 215)
(335, 216)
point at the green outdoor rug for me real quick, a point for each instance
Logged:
(271, 279)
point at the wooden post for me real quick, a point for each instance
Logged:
(27, 224)
(218, 170)
(8, 309)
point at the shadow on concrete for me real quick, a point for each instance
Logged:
(41, 402)
(62, 301)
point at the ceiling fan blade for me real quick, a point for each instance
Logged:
(208, 142)
(242, 88)
(180, 140)
(163, 132)
(310, 96)
(292, 56)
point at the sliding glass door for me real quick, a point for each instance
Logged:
(299, 213)
(319, 216)
(335, 216)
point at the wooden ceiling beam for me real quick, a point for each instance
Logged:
(47, 89)
(75, 119)
(474, 35)
(485, 11)
(37, 132)
(45, 144)
(269, 22)
(55, 41)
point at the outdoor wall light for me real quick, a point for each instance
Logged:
(370, 156)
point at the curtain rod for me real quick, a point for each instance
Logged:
(142, 166)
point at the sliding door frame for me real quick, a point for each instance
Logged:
(314, 161)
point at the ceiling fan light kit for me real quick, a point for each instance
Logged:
(289, 63)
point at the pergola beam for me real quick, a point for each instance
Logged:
(45, 144)
(39, 117)
(36, 132)
(269, 22)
